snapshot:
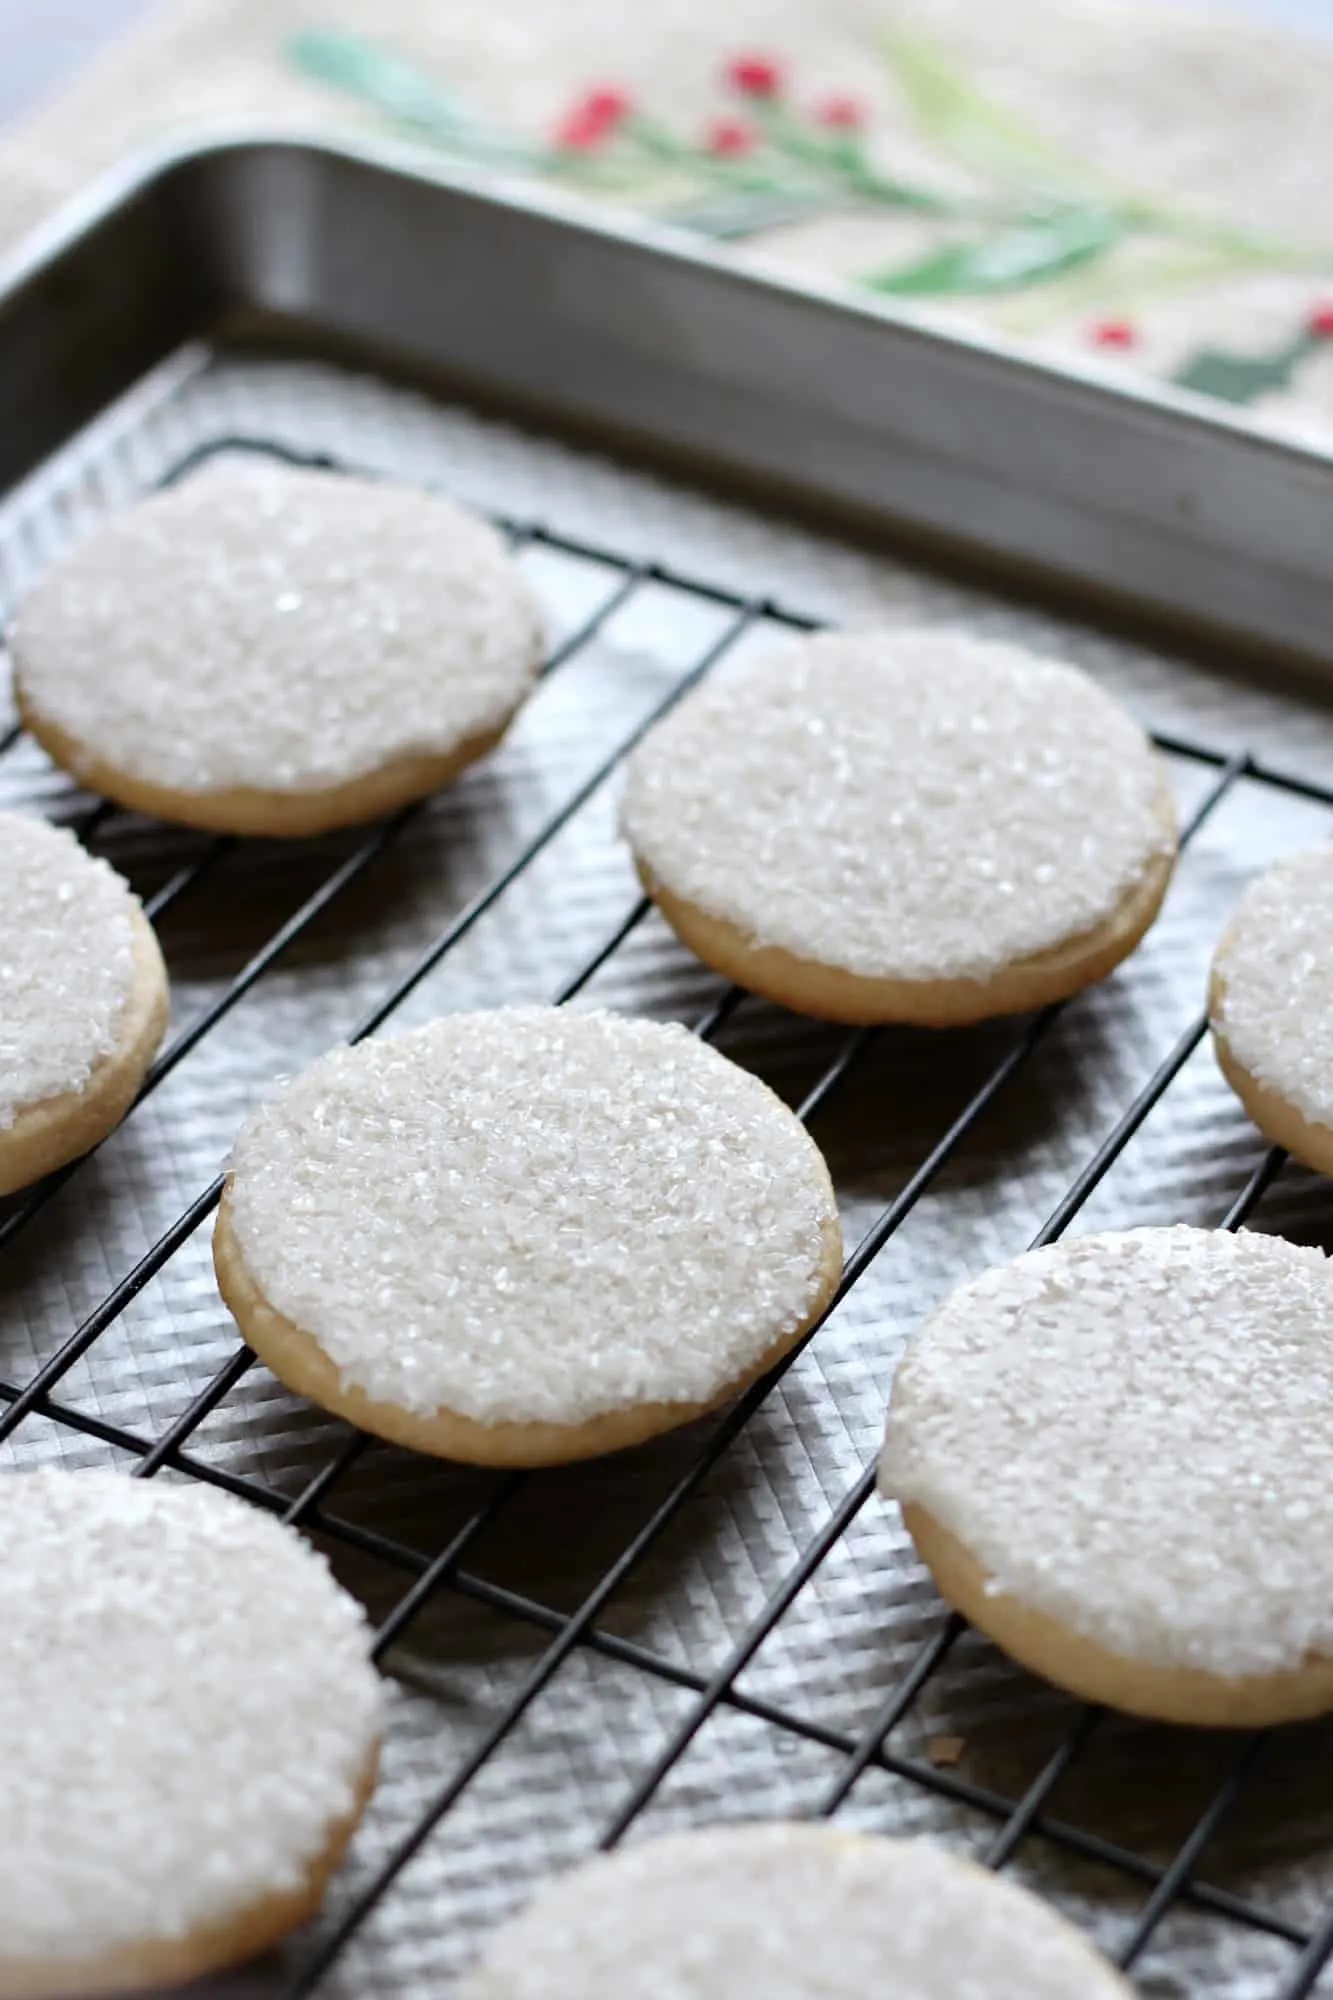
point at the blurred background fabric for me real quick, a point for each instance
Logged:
(1135, 184)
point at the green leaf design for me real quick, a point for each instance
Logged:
(1244, 378)
(962, 120)
(743, 216)
(841, 159)
(404, 94)
(383, 81)
(1010, 259)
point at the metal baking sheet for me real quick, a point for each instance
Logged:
(115, 367)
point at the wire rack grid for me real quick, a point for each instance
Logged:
(417, 1579)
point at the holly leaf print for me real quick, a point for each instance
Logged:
(1244, 378)
(401, 93)
(384, 81)
(1009, 259)
(962, 120)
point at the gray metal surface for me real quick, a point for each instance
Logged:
(1152, 499)
(553, 1787)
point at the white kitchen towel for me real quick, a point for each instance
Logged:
(1150, 188)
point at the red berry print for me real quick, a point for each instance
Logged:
(729, 139)
(841, 114)
(1120, 333)
(1320, 321)
(755, 76)
(593, 120)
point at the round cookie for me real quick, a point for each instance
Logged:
(1271, 1005)
(1113, 1456)
(906, 826)
(789, 1912)
(83, 999)
(268, 651)
(526, 1236)
(189, 1727)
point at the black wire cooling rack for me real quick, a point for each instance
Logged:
(1164, 1884)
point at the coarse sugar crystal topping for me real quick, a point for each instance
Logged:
(186, 1710)
(917, 805)
(260, 626)
(1274, 983)
(533, 1215)
(66, 962)
(1129, 1433)
(790, 1913)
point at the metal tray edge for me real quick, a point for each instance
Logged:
(1145, 498)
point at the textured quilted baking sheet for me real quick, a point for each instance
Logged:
(1102, 1815)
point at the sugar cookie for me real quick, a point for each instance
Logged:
(83, 999)
(903, 826)
(527, 1236)
(1114, 1456)
(789, 1912)
(268, 651)
(189, 1729)
(1271, 1005)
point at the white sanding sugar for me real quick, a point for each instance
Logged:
(1130, 1433)
(281, 629)
(788, 1912)
(1275, 966)
(533, 1215)
(186, 1706)
(912, 805)
(66, 962)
